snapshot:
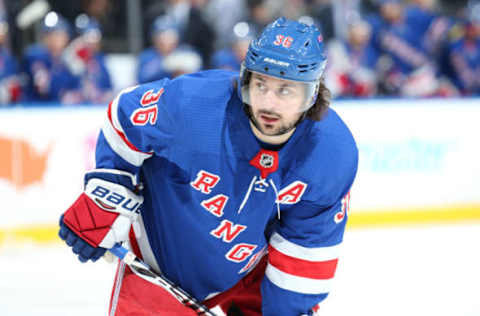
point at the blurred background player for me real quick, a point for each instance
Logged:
(86, 61)
(223, 15)
(167, 57)
(232, 56)
(405, 67)
(49, 78)
(259, 15)
(10, 89)
(182, 61)
(464, 54)
(189, 17)
(351, 71)
(420, 14)
(165, 39)
(436, 33)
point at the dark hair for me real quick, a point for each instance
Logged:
(318, 110)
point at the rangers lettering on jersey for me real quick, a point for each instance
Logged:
(227, 231)
(216, 204)
(205, 181)
(254, 260)
(292, 193)
(240, 252)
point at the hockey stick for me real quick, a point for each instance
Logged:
(144, 271)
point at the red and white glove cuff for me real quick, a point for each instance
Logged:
(103, 215)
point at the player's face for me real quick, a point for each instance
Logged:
(56, 41)
(93, 39)
(166, 42)
(275, 103)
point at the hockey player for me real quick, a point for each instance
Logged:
(86, 61)
(464, 55)
(352, 63)
(235, 187)
(49, 79)
(10, 88)
(159, 61)
(232, 57)
(405, 68)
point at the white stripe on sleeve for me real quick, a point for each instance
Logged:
(121, 148)
(114, 109)
(297, 284)
(311, 254)
(118, 144)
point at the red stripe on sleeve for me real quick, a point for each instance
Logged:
(122, 135)
(302, 268)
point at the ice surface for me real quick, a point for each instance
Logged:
(423, 270)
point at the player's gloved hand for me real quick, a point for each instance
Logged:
(79, 246)
(99, 218)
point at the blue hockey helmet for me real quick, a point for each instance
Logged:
(55, 22)
(287, 50)
(86, 25)
(164, 23)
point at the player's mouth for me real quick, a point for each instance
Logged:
(269, 119)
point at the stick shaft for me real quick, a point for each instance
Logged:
(144, 271)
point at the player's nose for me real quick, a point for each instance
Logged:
(270, 100)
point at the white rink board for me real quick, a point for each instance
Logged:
(415, 153)
(67, 136)
(412, 154)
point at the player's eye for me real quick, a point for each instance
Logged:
(260, 86)
(284, 91)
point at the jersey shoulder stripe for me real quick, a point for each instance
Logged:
(116, 137)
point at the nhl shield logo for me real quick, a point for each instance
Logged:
(266, 161)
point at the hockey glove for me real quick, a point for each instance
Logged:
(99, 218)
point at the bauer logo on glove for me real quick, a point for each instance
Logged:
(113, 197)
(101, 216)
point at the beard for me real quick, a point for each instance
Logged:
(273, 131)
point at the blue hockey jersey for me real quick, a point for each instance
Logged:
(150, 66)
(215, 202)
(56, 79)
(400, 41)
(8, 64)
(96, 81)
(464, 57)
(225, 59)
